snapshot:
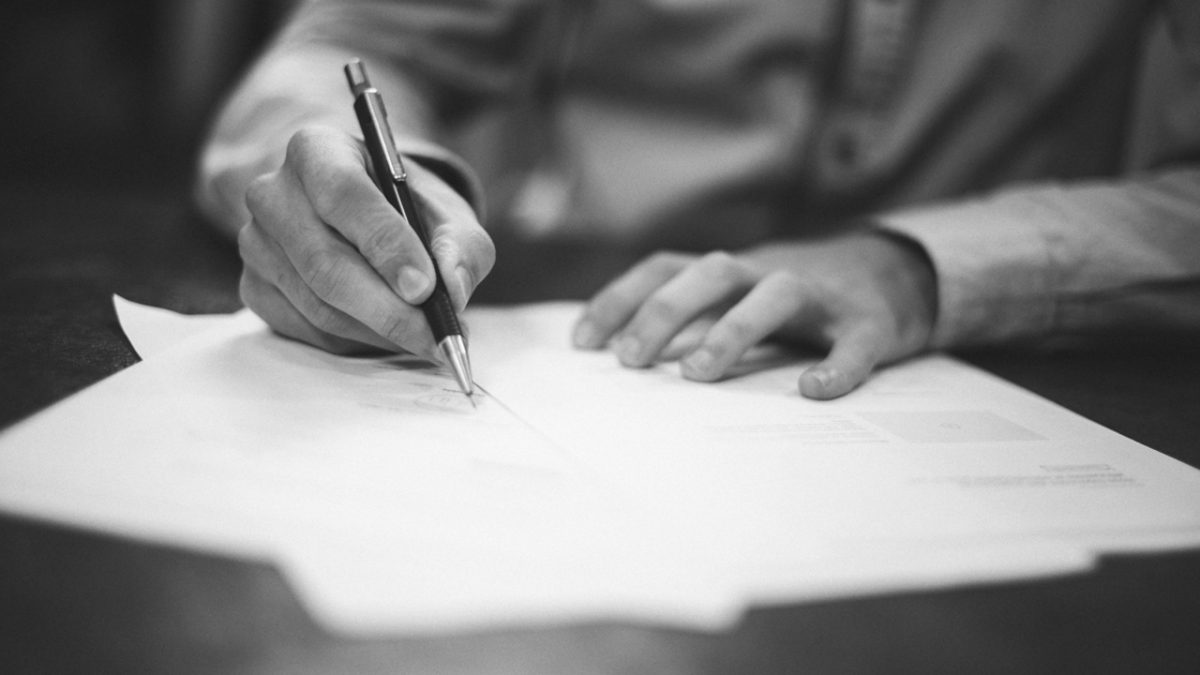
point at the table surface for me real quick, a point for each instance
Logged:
(77, 601)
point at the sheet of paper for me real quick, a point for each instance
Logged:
(157, 329)
(578, 489)
(960, 452)
(238, 441)
(931, 453)
(936, 436)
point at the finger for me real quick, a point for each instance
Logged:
(267, 269)
(851, 359)
(269, 303)
(613, 306)
(462, 250)
(705, 283)
(267, 264)
(330, 266)
(332, 171)
(773, 302)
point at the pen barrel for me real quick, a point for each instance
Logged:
(439, 312)
(407, 207)
(388, 170)
(372, 119)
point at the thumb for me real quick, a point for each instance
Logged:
(851, 360)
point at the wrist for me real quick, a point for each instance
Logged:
(907, 275)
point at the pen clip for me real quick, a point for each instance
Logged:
(373, 119)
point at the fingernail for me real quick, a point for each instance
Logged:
(698, 364)
(585, 335)
(413, 284)
(823, 377)
(628, 350)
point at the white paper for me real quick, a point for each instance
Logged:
(156, 330)
(578, 489)
(238, 441)
(932, 448)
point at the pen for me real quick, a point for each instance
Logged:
(393, 182)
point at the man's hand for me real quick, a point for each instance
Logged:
(868, 297)
(327, 260)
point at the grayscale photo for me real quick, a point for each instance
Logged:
(590, 337)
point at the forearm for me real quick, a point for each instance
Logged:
(426, 63)
(288, 88)
(298, 87)
(1041, 261)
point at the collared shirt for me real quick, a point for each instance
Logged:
(1054, 189)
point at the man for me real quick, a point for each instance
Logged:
(893, 175)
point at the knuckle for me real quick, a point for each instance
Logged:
(396, 328)
(718, 347)
(609, 308)
(323, 271)
(443, 247)
(391, 326)
(719, 263)
(665, 261)
(257, 259)
(259, 194)
(331, 183)
(335, 200)
(380, 243)
(247, 241)
(471, 248)
(783, 281)
(659, 310)
(485, 251)
(737, 330)
(784, 289)
(301, 145)
(603, 307)
(325, 318)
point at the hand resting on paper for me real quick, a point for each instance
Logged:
(868, 297)
(328, 261)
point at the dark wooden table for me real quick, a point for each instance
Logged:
(72, 601)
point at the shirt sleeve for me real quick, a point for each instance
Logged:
(1111, 257)
(433, 62)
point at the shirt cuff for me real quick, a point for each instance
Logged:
(448, 166)
(994, 268)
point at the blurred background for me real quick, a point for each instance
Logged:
(102, 106)
(118, 92)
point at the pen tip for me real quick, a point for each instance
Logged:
(454, 351)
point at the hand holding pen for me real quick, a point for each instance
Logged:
(392, 180)
(329, 261)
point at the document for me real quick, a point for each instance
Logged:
(574, 489)
(933, 453)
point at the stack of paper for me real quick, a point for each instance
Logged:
(575, 489)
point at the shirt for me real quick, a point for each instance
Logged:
(1043, 153)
